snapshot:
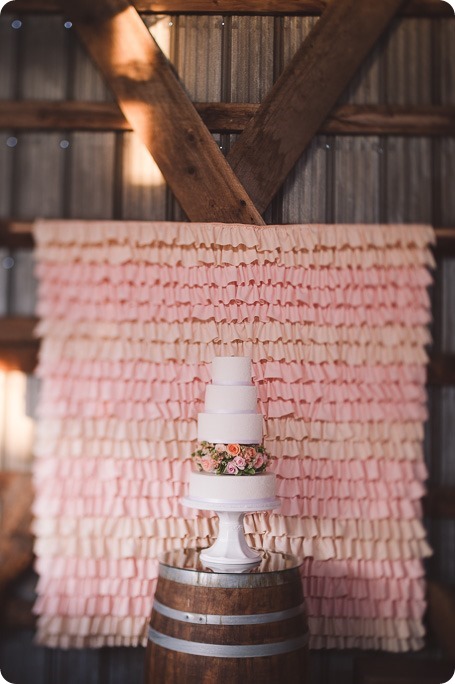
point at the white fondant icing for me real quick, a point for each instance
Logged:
(231, 370)
(231, 399)
(228, 428)
(206, 486)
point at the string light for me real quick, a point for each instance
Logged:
(68, 24)
(8, 263)
(64, 144)
(11, 142)
(16, 24)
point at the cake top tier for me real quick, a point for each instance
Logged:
(231, 370)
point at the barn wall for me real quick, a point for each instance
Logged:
(109, 175)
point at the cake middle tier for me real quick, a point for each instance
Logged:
(231, 399)
(229, 428)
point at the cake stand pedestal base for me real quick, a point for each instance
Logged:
(230, 547)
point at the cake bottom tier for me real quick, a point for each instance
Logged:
(219, 489)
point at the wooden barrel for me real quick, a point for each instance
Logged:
(209, 627)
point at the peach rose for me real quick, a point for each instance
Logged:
(233, 449)
(208, 465)
(250, 453)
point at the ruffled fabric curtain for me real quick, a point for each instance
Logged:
(335, 319)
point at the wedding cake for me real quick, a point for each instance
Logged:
(230, 457)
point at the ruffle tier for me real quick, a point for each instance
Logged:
(173, 469)
(266, 371)
(53, 297)
(280, 238)
(334, 315)
(207, 527)
(284, 352)
(398, 257)
(148, 274)
(277, 429)
(205, 332)
(377, 589)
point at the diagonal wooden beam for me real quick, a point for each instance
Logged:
(159, 111)
(305, 93)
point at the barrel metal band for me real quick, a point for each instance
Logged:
(203, 619)
(226, 580)
(227, 651)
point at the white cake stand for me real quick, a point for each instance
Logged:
(230, 547)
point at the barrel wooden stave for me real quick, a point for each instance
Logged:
(280, 591)
(169, 667)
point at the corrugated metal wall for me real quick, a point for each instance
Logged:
(109, 175)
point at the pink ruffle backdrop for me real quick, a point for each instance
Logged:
(335, 319)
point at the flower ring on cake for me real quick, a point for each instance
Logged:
(231, 459)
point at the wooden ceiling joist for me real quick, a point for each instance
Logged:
(228, 117)
(412, 8)
(305, 93)
(155, 104)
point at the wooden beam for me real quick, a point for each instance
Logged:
(445, 245)
(412, 8)
(17, 234)
(304, 94)
(160, 112)
(440, 503)
(441, 616)
(229, 117)
(18, 346)
(16, 542)
(441, 370)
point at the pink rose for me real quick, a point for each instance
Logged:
(240, 462)
(231, 469)
(259, 462)
(208, 465)
(220, 447)
(233, 449)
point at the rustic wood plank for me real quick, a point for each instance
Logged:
(440, 503)
(16, 542)
(19, 234)
(16, 234)
(197, 56)
(140, 185)
(18, 347)
(430, 8)
(305, 196)
(400, 669)
(305, 93)
(231, 117)
(160, 112)
(441, 370)
(441, 613)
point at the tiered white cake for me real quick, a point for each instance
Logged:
(231, 419)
